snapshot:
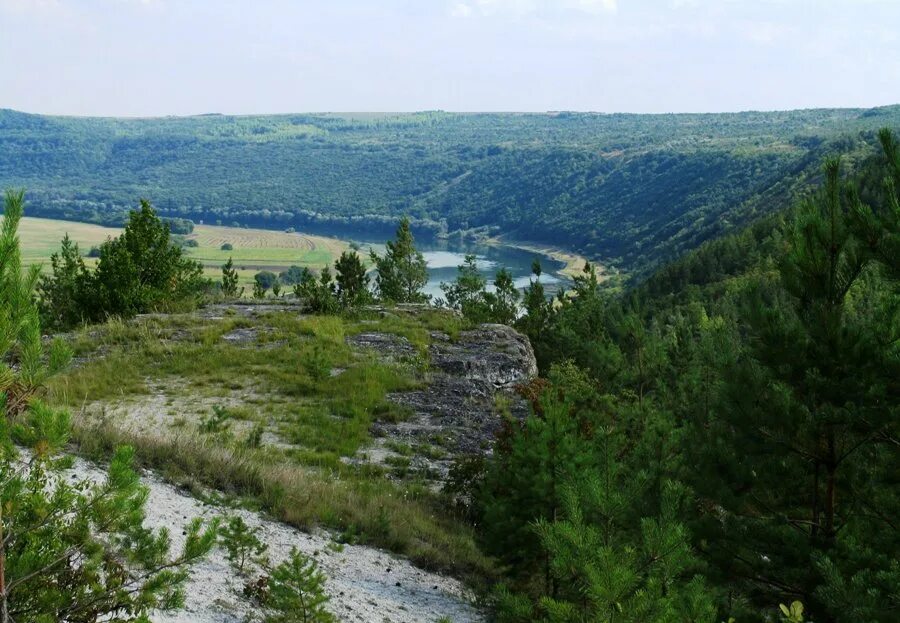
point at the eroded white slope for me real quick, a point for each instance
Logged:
(364, 583)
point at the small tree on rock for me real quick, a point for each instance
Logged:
(352, 280)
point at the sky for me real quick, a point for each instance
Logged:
(179, 57)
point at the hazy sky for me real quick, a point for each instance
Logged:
(161, 57)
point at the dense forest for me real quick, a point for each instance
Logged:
(631, 190)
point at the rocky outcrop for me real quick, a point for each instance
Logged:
(471, 379)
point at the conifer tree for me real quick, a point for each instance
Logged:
(524, 483)
(804, 441)
(241, 543)
(259, 288)
(352, 280)
(402, 271)
(70, 549)
(466, 293)
(65, 292)
(503, 302)
(318, 295)
(142, 270)
(297, 592)
(610, 567)
(229, 280)
(537, 311)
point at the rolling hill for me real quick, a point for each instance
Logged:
(633, 191)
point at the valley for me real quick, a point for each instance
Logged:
(255, 250)
(629, 191)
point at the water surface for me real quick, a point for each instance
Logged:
(444, 257)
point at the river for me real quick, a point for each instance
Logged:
(444, 256)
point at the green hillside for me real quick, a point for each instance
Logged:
(631, 190)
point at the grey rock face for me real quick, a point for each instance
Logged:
(492, 353)
(386, 345)
(469, 382)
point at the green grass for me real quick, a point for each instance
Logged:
(323, 419)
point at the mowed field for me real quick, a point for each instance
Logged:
(254, 249)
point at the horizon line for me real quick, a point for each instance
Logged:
(561, 111)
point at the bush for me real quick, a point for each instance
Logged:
(241, 543)
(227, 247)
(296, 592)
(266, 279)
(291, 276)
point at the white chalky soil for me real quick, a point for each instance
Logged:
(365, 584)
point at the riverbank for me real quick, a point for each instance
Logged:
(574, 263)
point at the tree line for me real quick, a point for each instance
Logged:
(724, 449)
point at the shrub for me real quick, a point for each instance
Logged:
(266, 279)
(296, 592)
(241, 543)
(217, 422)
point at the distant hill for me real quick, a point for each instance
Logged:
(631, 190)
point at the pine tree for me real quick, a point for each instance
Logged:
(503, 302)
(229, 280)
(352, 280)
(606, 554)
(811, 412)
(70, 550)
(524, 483)
(319, 296)
(877, 224)
(142, 270)
(66, 292)
(466, 293)
(297, 592)
(259, 288)
(610, 567)
(241, 543)
(537, 311)
(402, 272)
(25, 363)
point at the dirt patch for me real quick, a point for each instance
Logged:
(365, 584)
(171, 408)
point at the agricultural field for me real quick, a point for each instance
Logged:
(253, 249)
(40, 237)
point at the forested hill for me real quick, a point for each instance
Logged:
(635, 190)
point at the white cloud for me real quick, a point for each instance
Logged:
(461, 10)
(22, 6)
(592, 6)
(528, 7)
(764, 33)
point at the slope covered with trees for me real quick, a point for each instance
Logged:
(721, 439)
(636, 190)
